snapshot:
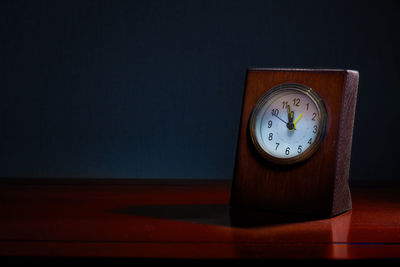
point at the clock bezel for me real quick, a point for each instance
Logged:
(268, 98)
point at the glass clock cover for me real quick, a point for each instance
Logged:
(288, 123)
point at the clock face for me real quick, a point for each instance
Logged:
(288, 123)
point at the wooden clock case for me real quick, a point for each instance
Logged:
(318, 186)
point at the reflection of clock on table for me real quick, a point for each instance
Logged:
(294, 145)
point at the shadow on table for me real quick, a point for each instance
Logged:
(262, 233)
(214, 214)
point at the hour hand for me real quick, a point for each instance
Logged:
(290, 125)
(289, 115)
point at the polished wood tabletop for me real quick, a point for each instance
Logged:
(184, 219)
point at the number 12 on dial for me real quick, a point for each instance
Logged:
(288, 123)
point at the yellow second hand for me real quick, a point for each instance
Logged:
(298, 118)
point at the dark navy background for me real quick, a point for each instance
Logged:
(153, 89)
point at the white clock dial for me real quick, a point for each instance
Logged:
(288, 123)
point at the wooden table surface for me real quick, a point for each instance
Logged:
(185, 219)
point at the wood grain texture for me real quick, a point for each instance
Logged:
(184, 219)
(318, 186)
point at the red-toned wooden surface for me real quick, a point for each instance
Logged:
(183, 219)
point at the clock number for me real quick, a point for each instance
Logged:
(284, 104)
(314, 115)
(277, 144)
(308, 104)
(309, 141)
(269, 124)
(270, 136)
(296, 102)
(315, 129)
(287, 151)
(275, 112)
(299, 149)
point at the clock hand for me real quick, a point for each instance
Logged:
(298, 118)
(273, 114)
(289, 113)
(290, 124)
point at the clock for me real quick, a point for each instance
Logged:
(294, 143)
(288, 123)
